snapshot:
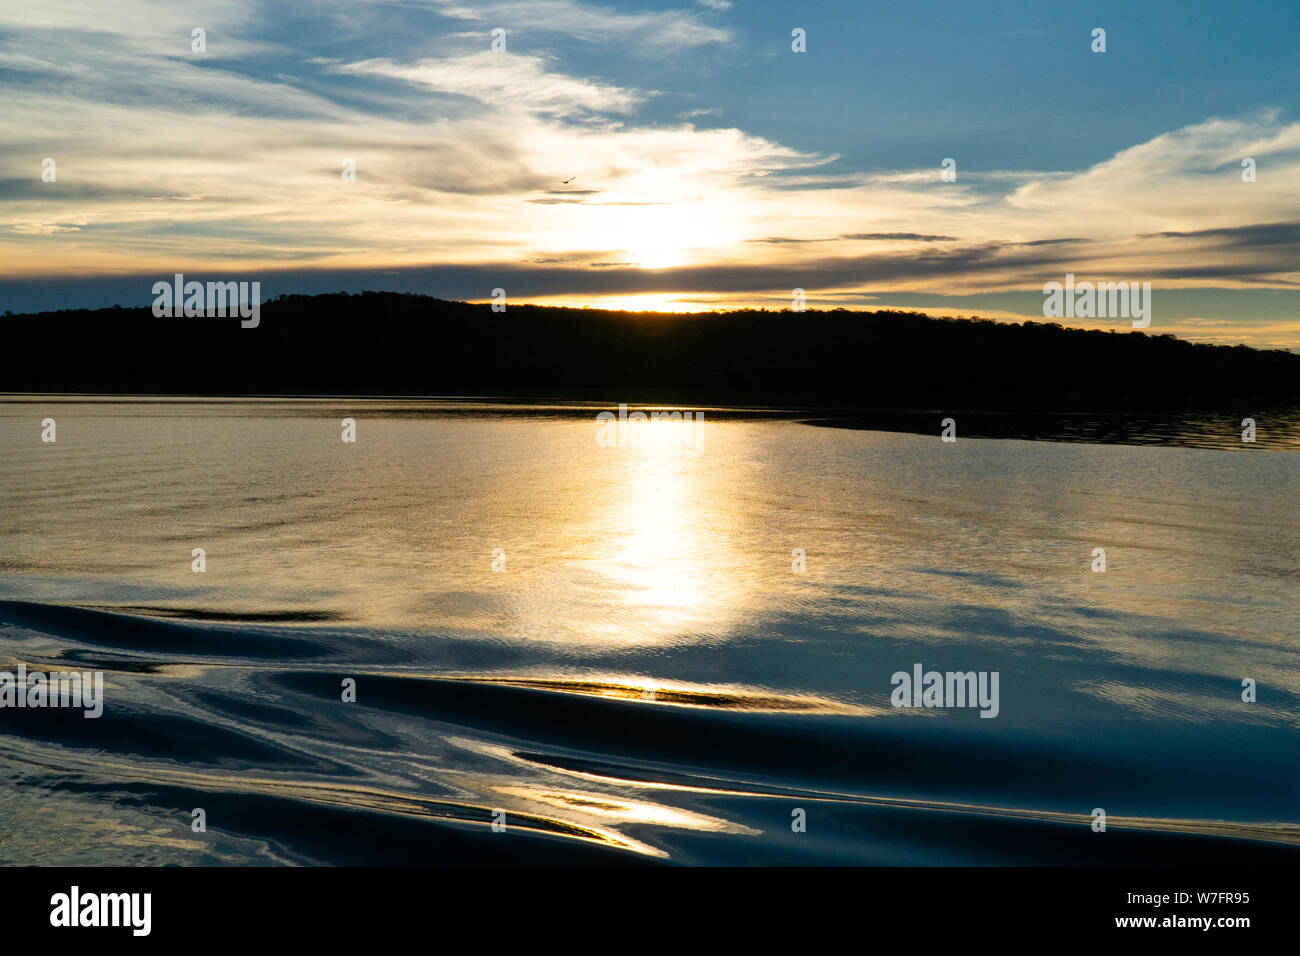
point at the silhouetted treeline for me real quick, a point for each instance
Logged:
(390, 343)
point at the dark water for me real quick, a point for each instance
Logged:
(1272, 427)
(648, 679)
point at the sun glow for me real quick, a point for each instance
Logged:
(668, 236)
(650, 302)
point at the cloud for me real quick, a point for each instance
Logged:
(867, 237)
(1190, 175)
(505, 80)
(1265, 235)
(642, 32)
(42, 228)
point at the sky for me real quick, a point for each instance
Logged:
(665, 155)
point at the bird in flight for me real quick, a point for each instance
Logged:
(565, 182)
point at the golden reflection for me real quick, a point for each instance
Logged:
(666, 553)
(588, 815)
(617, 810)
(721, 697)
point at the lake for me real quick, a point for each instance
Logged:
(682, 645)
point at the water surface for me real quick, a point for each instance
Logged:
(645, 677)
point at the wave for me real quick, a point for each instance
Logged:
(248, 723)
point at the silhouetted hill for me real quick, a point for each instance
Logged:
(390, 343)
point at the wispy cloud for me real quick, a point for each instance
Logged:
(644, 30)
(507, 81)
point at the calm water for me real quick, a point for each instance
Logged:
(647, 678)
